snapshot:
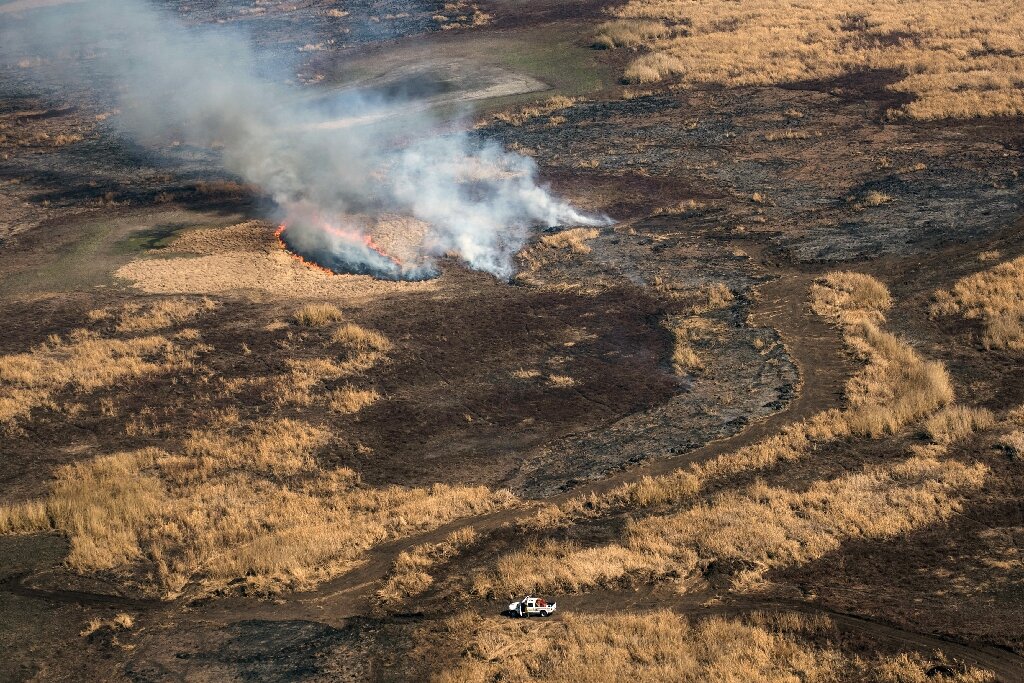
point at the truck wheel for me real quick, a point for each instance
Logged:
(545, 614)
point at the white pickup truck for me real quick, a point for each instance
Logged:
(529, 606)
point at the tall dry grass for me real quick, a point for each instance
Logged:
(761, 527)
(248, 503)
(685, 333)
(409, 576)
(895, 388)
(959, 59)
(318, 315)
(995, 297)
(955, 423)
(549, 106)
(83, 361)
(663, 646)
(304, 384)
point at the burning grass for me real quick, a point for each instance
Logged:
(247, 258)
(957, 59)
(995, 297)
(663, 646)
(232, 503)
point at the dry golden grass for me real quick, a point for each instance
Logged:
(995, 297)
(1012, 442)
(629, 33)
(459, 14)
(351, 400)
(787, 135)
(247, 259)
(521, 116)
(655, 646)
(357, 338)
(83, 362)
(233, 503)
(912, 667)
(304, 383)
(875, 198)
(575, 240)
(763, 526)
(121, 622)
(686, 331)
(409, 575)
(153, 315)
(663, 646)
(990, 255)
(959, 59)
(955, 423)
(850, 294)
(717, 295)
(318, 315)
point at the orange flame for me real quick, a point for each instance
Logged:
(348, 235)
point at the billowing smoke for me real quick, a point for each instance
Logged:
(322, 160)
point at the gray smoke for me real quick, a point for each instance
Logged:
(206, 85)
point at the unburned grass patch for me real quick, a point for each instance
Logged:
(355, 337)
(760, 528)
(153, 315)
(574, 239)
(409, 576)
(956, 60)
(662, 646)
(351, 400)
(317, 315)
(995, 297)
(247, 503)
(549, 106)
(765, 526)
(84, 361)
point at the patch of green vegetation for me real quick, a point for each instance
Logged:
(157, 237)
(88, 255)
(553, 56)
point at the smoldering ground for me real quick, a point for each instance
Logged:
(208, 86)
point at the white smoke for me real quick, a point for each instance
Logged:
(204, 85)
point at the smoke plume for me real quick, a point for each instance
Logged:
(206, 85)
